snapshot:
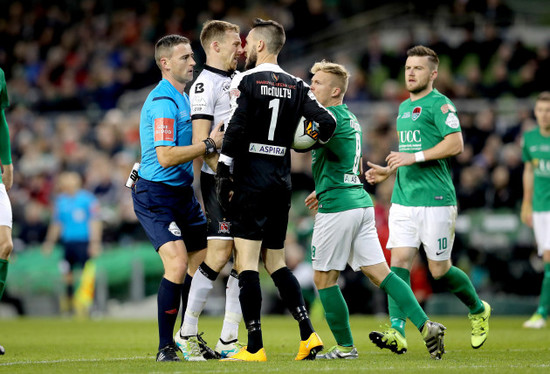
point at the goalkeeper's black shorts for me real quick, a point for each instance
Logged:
(261, 215)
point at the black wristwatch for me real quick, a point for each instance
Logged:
(210, 146)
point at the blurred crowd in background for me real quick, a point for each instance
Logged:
(78, 72)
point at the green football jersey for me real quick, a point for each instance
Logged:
(4, 101)
(536, 149)
(5, 152)
(336, 166)
(421, 124)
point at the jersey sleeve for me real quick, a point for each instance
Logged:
(236, 128)
(163, 113)
(4, 99)
(445, 117)
(201, 97)
(313, 110)
(5, 144)
(525, 154)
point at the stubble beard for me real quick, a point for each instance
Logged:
(419, 88)
(251, 61)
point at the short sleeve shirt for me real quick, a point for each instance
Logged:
(536, 150)
(4, 100)
(209, 97)
(74, 214)
(335, 166)
(421, 124)
(165, 121)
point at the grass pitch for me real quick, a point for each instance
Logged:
(118, 346)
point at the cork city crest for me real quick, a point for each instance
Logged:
(416, 112)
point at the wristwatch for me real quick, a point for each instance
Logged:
(210, 146)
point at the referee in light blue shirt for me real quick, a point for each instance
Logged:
(75, 221)
(164, 200)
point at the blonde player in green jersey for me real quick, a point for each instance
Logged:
(344, 230)
(6, 181)
(423, 207)
(535, 208)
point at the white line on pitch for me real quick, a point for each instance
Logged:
(73, 360)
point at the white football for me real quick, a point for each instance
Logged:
(305, 136)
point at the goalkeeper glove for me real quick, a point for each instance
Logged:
(224, 185)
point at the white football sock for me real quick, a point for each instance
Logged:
(198, 294)
(233, 313)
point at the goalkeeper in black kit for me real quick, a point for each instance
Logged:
(267, 103)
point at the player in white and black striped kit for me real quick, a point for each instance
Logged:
(267, 103)
(210, 104)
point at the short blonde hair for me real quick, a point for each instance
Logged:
(339, 72)
(215, 30)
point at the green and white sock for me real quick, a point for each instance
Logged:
(337, 315)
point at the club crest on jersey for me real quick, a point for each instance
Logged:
(235, 92)
(223, 227)
(416, 113)
(174, 229)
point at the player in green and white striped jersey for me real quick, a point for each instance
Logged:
(344, 230)
(535, 209)
(423, 207)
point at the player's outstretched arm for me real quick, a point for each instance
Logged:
(175, 155)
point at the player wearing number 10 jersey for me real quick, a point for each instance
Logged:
(423, 207)
(535, 208)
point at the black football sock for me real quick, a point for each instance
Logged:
(185, 295)
(250, 297)
(291, 293)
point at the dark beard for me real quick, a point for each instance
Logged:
(251, 62)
